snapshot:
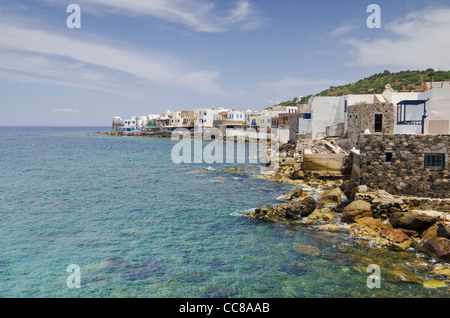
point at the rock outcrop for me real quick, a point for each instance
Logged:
(301, 208)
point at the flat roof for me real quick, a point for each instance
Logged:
(413, 102)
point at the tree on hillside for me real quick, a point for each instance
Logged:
(430, 74)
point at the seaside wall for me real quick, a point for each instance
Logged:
(406, 164)
(323, 162)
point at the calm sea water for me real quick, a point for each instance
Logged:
(139, 225)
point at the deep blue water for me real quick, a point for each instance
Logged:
(139, 225)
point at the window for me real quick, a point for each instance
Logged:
(388, 156)
(434, 161)
(378, 122)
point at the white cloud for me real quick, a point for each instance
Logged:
(65, 110)
(418, 41)
(52, 56)
(197, 15)
(341, 30)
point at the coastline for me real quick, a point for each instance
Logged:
(347, 208)
(378, 222)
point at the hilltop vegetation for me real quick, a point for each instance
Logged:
(404, 81)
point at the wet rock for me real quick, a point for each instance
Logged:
(269, 213)
(443, 271)
(411, 220)
(420, 264)
(444, 230)
(393, 238)
(328, 227)
(300, 209)
(294, 194)
(430, 233)
(307, 250)
(322, 217)
(331, 197)
(438, 248)
(366, 227)
(356, 209)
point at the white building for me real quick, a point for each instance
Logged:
(330, 110)
(427, 114)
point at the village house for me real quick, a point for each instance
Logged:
(403, 148)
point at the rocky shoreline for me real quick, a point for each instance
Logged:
(383, 224)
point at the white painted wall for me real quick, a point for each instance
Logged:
(325, 111)
(304, 126)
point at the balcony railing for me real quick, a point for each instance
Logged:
(410, 122)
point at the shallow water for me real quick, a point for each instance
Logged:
(139, 225)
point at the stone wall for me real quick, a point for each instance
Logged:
(361, 117)
(396, 163)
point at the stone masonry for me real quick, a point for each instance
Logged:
(400, 164)
(363, 116)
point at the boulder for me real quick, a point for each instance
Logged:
(411, 220)
(331, 197)
(355, 210)
(438, 248)
(301, 208)
(393, 238)
(444, 230)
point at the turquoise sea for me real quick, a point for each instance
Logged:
(139, 225)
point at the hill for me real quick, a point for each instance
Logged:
(404, 81)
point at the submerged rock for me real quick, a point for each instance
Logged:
(434, 284)
(307, 250)
(399, 275)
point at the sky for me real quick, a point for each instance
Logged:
(137, 57)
